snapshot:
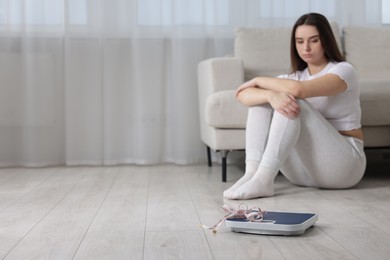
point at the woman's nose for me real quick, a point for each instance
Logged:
(306, 47)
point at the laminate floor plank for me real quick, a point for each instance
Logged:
(117, 231)
(364, 243)
(170, 206)
(364, 203)
(176, 245)
(314, 244)
(9, 173)
(173, 229)
(17, 220)
(15, 184)
(229, 245)
(59, 234)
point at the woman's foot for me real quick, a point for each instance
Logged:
(260, 185)
(228, 193)
(250, 170)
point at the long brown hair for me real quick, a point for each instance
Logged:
(328, 41)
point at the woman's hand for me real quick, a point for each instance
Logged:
(285, 103)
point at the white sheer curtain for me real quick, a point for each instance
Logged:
(105, 82)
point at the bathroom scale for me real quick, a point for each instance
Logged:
(275, 223)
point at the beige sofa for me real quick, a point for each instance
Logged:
(265, 51)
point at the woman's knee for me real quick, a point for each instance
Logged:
(304, 105)
(263, 107)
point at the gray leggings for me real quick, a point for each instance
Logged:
(308, 150)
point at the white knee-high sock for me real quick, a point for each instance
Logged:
(256, 134)
(257, 129)
(284, 133)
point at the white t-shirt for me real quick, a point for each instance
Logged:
(342, 110)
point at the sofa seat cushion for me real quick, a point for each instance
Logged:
(375, 102)
(224, 111)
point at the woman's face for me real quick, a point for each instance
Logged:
(308, 45)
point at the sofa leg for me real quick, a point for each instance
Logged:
(209, 162)
(224, 154)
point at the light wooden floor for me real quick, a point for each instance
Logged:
(132, 212)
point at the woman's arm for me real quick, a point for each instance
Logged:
(254, 96)
(282, 102)
(327, 85)
(273, 84)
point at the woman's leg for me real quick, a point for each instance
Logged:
(283, 134)
(309, 151)
(257, 128)
(322, 157)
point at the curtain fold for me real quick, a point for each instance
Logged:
(108, 82)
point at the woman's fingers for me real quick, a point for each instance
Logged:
(291, 109)
(285, 104)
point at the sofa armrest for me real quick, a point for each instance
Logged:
(217, 74)
(214, 75)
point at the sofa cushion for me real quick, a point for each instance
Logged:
(266, 51)
(375, 102)
(224, 111)
(368, 50)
